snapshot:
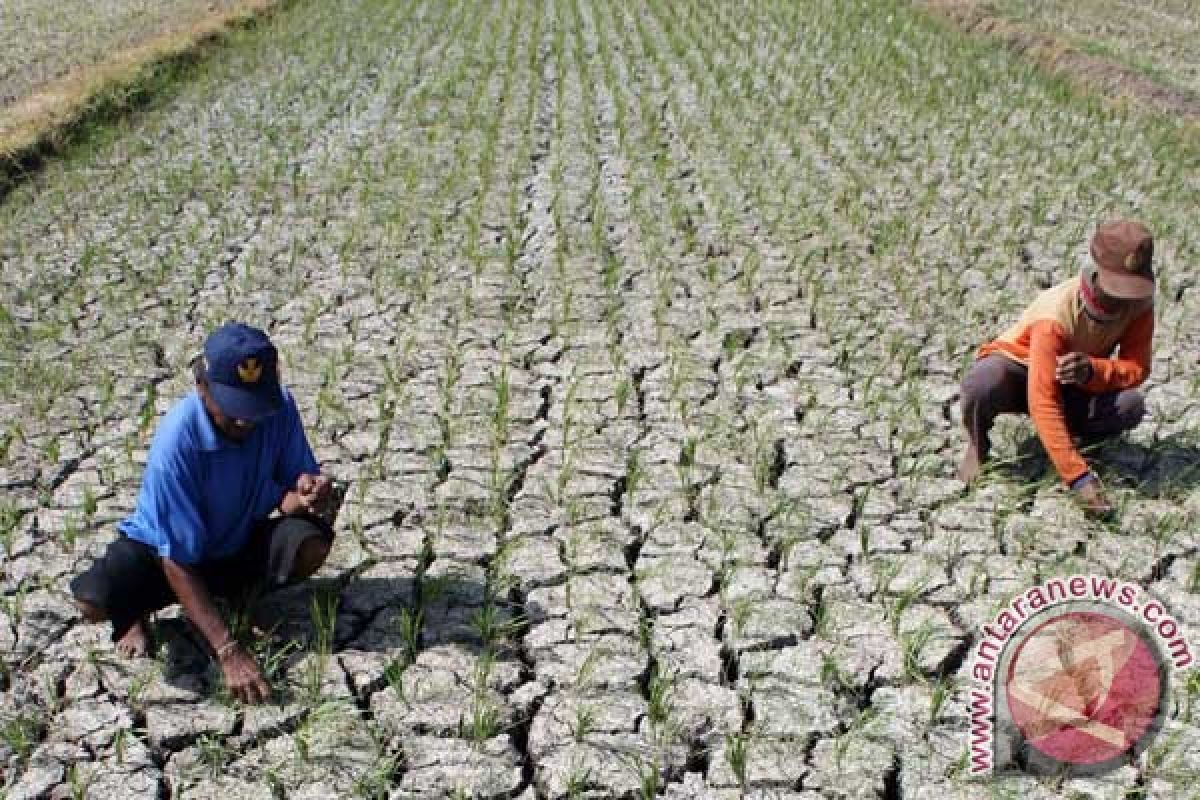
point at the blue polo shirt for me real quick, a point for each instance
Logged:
(202, 492)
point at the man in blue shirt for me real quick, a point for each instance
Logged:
(222, 460)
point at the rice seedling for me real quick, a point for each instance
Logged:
(582, 722)
(21, 733)
(736, 754)
(409, 624)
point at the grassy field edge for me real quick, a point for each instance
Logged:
(1114, 79)
(49, 120)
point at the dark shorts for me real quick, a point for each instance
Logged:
(128, 581)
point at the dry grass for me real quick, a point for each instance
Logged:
(41, 120)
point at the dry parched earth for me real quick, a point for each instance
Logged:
(637, 335)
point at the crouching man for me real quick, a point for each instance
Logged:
(1072, 361)
(222, 460)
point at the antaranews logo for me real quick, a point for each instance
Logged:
(1072, 677)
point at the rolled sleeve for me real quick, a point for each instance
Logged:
(1047, 342)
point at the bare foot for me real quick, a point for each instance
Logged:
(136, 641)
(968, 469)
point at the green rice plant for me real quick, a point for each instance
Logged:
(736, 754)
(901, 603)
(375, 783)
(70, 532)
(577, 781)
(740, 614)
(214, 753)
(79, 778)
(393, 675)
(410, 623)
(633, 474)
(822, 621)
(14, 433)
(323, 611)
(321, 723)
(649, 778)
(621, 394)
(149, 409)
(490, 627)
(53, 449)
(88, 504)
(833, 675)
(587, 668)
(748, 274)
(1191, 694)
(767, 453)
(500, 409)
(912, 644)
(687, 461)
(485, 720)
(582, 722)
(21, 733)
(10, 518)
(659, 694)
(942, 690)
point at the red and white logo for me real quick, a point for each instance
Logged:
(1071, 677)
(1083, 688)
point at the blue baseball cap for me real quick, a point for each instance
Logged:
(242, 368)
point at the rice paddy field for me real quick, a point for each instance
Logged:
(636, 333)
(45, 41)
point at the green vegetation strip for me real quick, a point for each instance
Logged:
(64, 110)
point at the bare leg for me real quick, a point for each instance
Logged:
(968, 468)
(993, 385)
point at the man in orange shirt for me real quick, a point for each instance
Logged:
(1072, 360)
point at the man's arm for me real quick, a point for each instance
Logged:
(242, 675)
(1132, 365)
(1047, 342)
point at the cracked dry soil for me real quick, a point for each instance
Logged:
(637, 335)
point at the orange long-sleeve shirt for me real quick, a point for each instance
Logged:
(1056, 324)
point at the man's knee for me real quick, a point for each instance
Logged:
(309, 557)
(1131, 408)
(90, 612)
(972, 398)
(981, 388)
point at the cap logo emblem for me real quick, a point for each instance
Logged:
(249, 370)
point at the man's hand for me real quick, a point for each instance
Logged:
(243, 677)
(1073, 368)
(1091, 497)
(310, 495)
